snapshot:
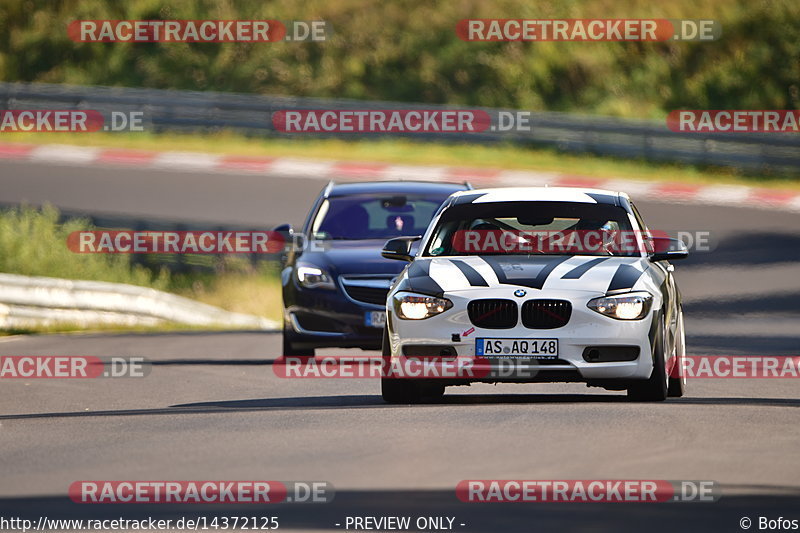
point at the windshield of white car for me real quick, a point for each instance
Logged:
(531, 228)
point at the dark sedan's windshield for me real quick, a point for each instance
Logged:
(365, 216)
(526, 228)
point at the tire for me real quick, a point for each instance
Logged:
(403, 390)
(677, 378)
(289, 350)
(653, 389)
(400, 391)
(432, 391)
(410, 391)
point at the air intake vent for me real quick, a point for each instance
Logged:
(370, 295)
(493, 313)
(546, 314)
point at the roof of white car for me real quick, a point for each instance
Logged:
(539, 194)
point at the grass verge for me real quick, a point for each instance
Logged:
(33, 243)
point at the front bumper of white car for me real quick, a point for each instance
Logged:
(591, 347)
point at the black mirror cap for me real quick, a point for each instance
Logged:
(399, 248)
(287, 232)
(669, 250)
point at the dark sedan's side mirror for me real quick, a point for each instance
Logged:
(399, 248)
(665, 249)
(287, 232)
(285, 229)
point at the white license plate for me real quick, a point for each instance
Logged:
(538, 348)
(375, 319)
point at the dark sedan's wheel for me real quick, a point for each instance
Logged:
(400, 391)
(403, 390)
(290, 350)
(655, 388)
(677, 377)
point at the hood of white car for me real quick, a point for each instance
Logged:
(598, 275)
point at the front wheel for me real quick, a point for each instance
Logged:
(677, 375)
(290, 350)
(653, 389)
(404, 390)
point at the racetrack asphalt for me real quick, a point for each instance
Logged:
(212, 407)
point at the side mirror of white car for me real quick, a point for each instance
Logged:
(666, 249)
(399, 248)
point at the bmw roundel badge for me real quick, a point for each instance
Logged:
(519, 293)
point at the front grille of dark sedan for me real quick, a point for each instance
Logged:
(370, 295)
(493, 313)
(316, 322)
(546, 314)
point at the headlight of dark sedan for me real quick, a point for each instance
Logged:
(313, 277)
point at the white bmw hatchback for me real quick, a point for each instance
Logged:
(537, 285)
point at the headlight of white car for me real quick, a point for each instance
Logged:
(628, 306)
(312, 277)
(410, 306)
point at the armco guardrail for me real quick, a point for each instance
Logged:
(38, 301)
(192, 110)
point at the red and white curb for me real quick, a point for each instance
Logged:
(732, 195)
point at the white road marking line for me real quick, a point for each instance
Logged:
(526, 178)
(793, 205)
(634, 188)
(411, 172)
(63, 153)
(723, 194)
(305, 168)
(186, 161)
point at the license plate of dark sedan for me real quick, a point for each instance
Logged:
(375, 319)
(537, 348)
